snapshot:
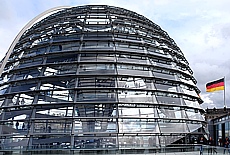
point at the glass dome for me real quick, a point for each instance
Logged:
(96, 77)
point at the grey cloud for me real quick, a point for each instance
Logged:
(225, 31)
(5, 13)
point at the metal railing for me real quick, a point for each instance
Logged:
(182, 149)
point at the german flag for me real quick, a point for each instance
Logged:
(215, 85)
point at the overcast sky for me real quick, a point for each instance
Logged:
(201, 28)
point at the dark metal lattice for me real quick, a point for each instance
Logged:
(97, 77)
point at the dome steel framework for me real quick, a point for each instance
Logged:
(96, 77)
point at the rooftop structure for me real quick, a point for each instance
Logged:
(96, 77)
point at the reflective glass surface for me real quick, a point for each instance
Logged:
(97, 77)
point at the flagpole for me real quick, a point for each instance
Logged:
(224, 94)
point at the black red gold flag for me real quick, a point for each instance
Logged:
(215, 85)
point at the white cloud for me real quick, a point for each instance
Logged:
(207, 101)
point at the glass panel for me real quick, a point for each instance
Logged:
(88, 57)
(132, 59)
(31, 62)
(166, 140)
(54, 113)
(168, 100)
(16, 122)
(172, 112)
(43, 142)
(96, 95)
(137, 126)
(20, 99)
(167, 127)
(4, 89)
(100, 141)
(96, 82)
(132, 83)
(27, 74)
(98, 44)
(133, 70)
(137, 112)
(105, 57)
(188, 81)
(132, 96)
(97, 69)
(60, 59)
(53, 96)
(58, 83)
(95, 110)
(194, 115)
(137, 141)
(194, 127)
(52, 126)
(166, 75)
(189, 91)
(96, 125)
(27, 86)
(194, 104)
(18, 143)
(166, 87)
(61, 69)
